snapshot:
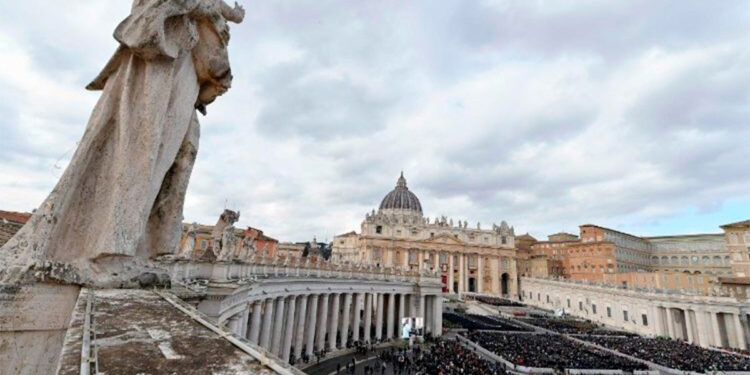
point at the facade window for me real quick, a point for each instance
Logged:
(503, 240)
(580, 305)
(539, 296)
(379, 229)
(568, 302)
(593, 309)
(644, 318)
(609, 312)
(443, 258)
(548, 298)
(412, 257)
(625, 315)
(204, 244)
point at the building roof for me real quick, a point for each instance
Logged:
(526, 236)
(401, 198)
(16, 217)
(739, 224)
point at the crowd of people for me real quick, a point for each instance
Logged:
(441, 357)
(495, 301)
(551, 351)
(480, 322)
(674, 353)
(572, 326)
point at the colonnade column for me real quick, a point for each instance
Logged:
(390, 318)
(243, 322)
(320, 338)
(368, 317)
(742, 343)
(265, 334)
(689, 326)
(287, 346)
(345, 319)
(379, 317)
(450, 273)
(333, 327)
(278, 325)
(670, 323)
(703, 329)
(355, 316)
(310, 329)
(255, 322)
(715, 326)
(301, 318)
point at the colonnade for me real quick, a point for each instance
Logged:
(289, 326)
(701, 320)
(703, 326)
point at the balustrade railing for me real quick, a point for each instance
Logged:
(265, 268)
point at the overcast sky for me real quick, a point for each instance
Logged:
(546, 114)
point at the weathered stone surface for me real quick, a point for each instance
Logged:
(120, 200)
(140, 333)
(33, 322)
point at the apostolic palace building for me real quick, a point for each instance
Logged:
(398, 234)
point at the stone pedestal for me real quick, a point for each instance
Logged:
(33, 322)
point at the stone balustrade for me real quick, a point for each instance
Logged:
(300, 308)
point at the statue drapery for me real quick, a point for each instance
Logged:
(121, 197)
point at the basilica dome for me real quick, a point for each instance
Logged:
(400, 198)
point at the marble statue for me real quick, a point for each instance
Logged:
(223, 236)
(188, 247)
(119, 202)
(248, 248)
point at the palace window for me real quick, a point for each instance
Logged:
(548, 298)
(593, 309)
(644, 319)
(568, 302)
(379, 229)
(503, 240)
(625, 315)
(609, 312)
(580, 305)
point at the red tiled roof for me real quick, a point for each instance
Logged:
(16, 217)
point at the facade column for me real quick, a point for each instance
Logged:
(368, 317)
(320, 338)
(299, 338)
(670, 323)
(345, 319)
(265, 334)
(495, 275)
(715, 326)
(390, 317)
(287, 345)
(436, 261)
(401, 312)
(480, 273)
(355, 316)
(437, 316)
(450, 273)
(333, 328)
(428, 320)
(311, 326)
(278, 326)
(742, 343)
(461, 273)
(420, 308)
(420, 259)
(255, 320)
(379, 317)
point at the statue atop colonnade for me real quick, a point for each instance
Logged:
(120, 200)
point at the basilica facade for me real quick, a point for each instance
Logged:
(398, 235)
